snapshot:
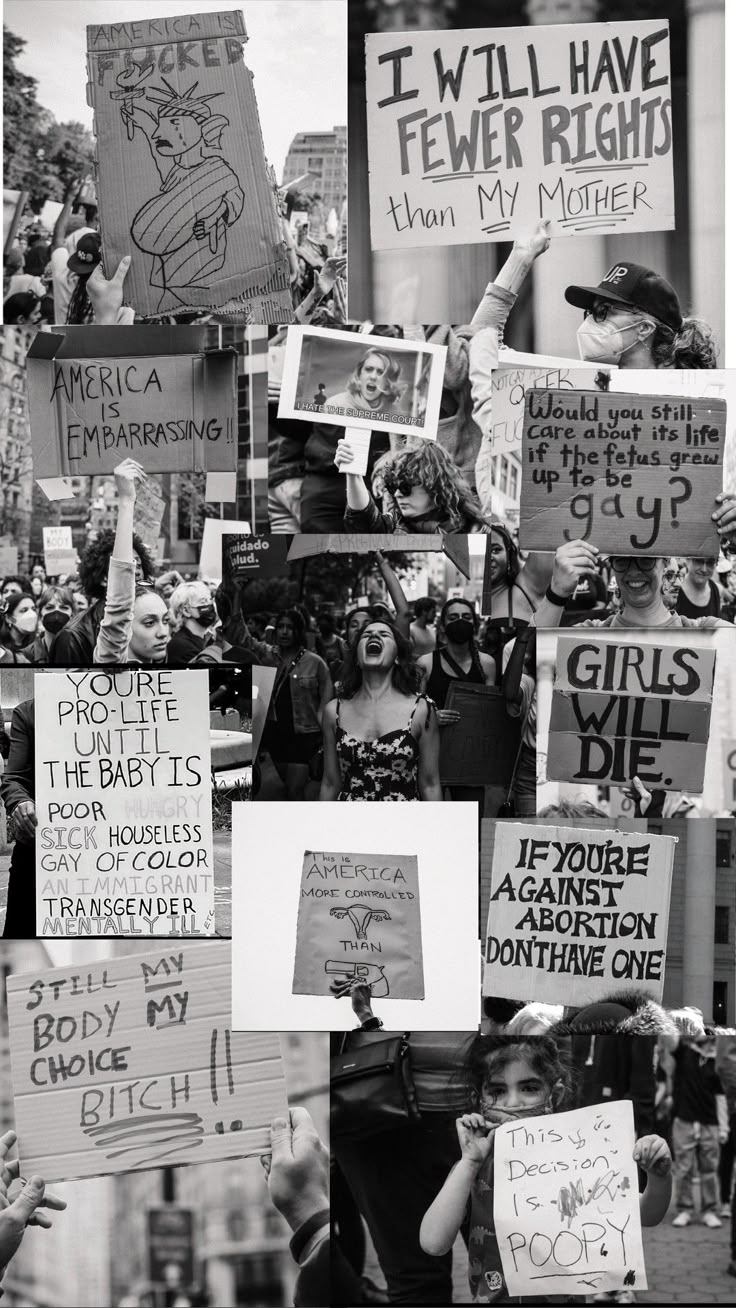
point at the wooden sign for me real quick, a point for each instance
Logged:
(480, 749)
(575, 914)
(628, 708)
(131, 1062)
(475, 135)
(633, 474)
(566, 1203)
(124, 804)
(359, 918)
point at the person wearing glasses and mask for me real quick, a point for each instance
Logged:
(644, 583)
(135, 620)
(633, 319)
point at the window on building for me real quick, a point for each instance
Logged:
(721, 925)
(723, 848)
(513, 481)
(720, 1003)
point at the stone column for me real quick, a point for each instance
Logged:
(706, 163)
(570, 259)
(699, 915)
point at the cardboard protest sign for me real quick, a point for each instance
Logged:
(124, 804)
(569, 122)
(480, 749)
(566, 1203)
(729, 774)
(98, 395)
(132, 1062)
(455, 547)
(148, 512)
(59, 555)
(182, 177)
(575, 913)
(373, 383)
(634, 474)
(359, 917)
(511, 381)
(630, 708)
(255, 556)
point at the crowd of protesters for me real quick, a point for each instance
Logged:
(57, 277)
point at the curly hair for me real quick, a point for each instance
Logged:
(95, 562)
(692, 347)
(513, 561)
(431, 467)
(389, 382)
(491, 1053)
(405, 674)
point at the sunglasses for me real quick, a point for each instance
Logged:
(600, 312)
(403, 487)
(644, 565)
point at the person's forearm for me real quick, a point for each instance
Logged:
(656, 1199)
(356, 491)
(123, 547)
(398, 598)
(445, 1215)
(514, 272)
(511, 684)
(547, 614)
(430, 790)
(306, 307)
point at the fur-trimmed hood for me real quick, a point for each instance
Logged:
(626, 1013)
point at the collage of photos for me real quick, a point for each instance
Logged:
(323, 494)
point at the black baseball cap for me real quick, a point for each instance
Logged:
(86, 256)
(635, 287)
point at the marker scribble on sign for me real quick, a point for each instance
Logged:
(361, 918)
(371, 974)
(184, 138)
(179, 1130)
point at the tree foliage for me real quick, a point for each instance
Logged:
(42, 156)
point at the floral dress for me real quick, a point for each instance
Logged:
(387, 768)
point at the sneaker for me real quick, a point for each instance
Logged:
(725, 1210)
(711, 1219)
(682, 1219)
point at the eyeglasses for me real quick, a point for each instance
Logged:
(643, 564)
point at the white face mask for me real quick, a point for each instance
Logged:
(27, 621)
(604, 342)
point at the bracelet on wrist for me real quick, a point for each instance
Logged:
(554, 598)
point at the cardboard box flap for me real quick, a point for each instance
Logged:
(166, 31)
(123, 342)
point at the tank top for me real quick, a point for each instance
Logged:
(687, 609)
(383, 769)
(439, 681)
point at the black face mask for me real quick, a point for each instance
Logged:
(206, 617)
(54, 620)
(460, 631)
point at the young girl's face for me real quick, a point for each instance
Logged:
(513, 1090)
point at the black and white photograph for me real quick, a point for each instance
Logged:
(362, 382)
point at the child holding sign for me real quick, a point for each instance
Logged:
(512, 1079)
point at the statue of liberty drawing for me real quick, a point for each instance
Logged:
(184, 138)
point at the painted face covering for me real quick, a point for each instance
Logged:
(605, 342)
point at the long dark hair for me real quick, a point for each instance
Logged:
(513, 566)
(405, 674)
(474, 652)
(494, 1052)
